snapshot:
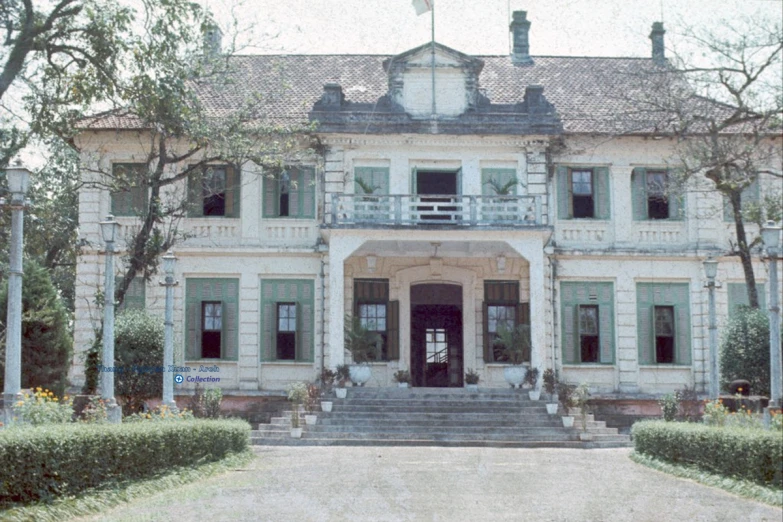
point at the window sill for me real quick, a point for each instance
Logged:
(289, 363)
(588, 365)
(289, 218)
(665, 366)
(503, 364)
(216, 218)
(221, 361)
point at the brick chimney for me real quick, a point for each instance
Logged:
(520, 27)
(213, 41)
(658, 52)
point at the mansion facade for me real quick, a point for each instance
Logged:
(443, 207)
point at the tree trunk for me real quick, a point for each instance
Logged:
(744, 249)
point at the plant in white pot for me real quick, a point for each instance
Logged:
(532, 379)
(566, 394)
(580, 400)
(364, 346)
(341, 377)
(514, 345)
(550, 387)
(471, 379)
(313, 396)
(297, 394)
(403, 378)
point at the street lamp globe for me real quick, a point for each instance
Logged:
(169, 262)
(109, 229)
(770, 234)
(711, 268)
(18, 179)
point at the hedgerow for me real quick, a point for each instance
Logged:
(45, 462)
(751, 454)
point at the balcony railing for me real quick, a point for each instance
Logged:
(430, 209)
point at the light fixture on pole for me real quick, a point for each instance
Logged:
(18, 181)
(169, 264)
(109, 233)
(770, 234)
(711, 270)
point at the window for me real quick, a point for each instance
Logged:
(290, 193)
(214, 192)
(738, 296)
(663, 323)
(211, 329)
(286, 331)
(587, 312)
(652, 197)
(502, 311)
(583, 193)
(131, 198)
(378, 314)
(588, 333)
(287, 320)
(664, 334)
(437, 349)
(211, 319)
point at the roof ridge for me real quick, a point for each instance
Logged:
(294, 55)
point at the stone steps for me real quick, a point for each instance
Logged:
(438, 417)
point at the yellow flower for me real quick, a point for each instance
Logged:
(20, 403)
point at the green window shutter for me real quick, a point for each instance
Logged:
(676, 198)
(196, 193)
(271, 186)
(602, 195)
(193, 320)
(224, 290)
(131, 200)
(135, 296)
(299, 291)
(648, 295)
(233, 191)
(305, 317)
(376, 179)
(306, 191)
(229, 290)
(639, 194)
(295, 192)
(268, 321)
(570, 337)
(644, 323)
(564, 201)
(414, 181)
(572, 295)
(491, 179)
(605, 293)
(738, 295)
(393, 330)
(488, 352)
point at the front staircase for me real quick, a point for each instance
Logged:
(439, 417)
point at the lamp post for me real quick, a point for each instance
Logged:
(771, 236)
(109, 232)
(711, 270)
(18, 181)
(169, 263)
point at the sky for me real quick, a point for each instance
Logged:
(559, 27)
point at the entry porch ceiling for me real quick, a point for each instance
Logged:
(456, 249)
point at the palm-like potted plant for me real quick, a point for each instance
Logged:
(580, 399)
(502, 189)
(363, 345)
(313, 395)
(403, 378)
(515, 344)
(532, 379)
(341, 377)
(566, 394)
(550, 387)
(297, 394)
(471, 379)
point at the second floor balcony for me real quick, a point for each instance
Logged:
(447, 210)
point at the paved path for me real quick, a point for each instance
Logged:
(443, 484)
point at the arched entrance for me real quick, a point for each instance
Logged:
(436, 335)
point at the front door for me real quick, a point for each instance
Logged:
(436, 345)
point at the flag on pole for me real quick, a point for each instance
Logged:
(422, 6)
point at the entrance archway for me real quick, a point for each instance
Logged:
(437, 358)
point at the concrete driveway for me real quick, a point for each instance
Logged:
(443, 484)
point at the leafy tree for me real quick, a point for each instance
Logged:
(138, 345)
(744, 350)
(46, 340)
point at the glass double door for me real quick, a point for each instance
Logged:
(436, 346)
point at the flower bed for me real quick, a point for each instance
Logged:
(50, 461)
(751, 454)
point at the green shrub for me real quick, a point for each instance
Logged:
(754, 455)
(46, 338)
(160, 414)
(138, 348)
(42, 407)
(44, 462)
(669, 404)
(744, 350)
(205, 403)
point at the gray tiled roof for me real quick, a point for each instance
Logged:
(588, 93)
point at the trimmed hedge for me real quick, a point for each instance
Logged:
(750, 454)
(40, 463)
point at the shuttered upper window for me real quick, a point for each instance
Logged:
(214, 191)
(587, 315)
(290, 193)
(652, 196)
(499, 182)
(663, 323)
(131, 198)
(211, 319)
(583, 193)
(287, 320)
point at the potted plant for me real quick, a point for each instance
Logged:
(532, 379)
(579, 400)
(341, 376)
(550, 386)
(403, 378)
(502, 211)
(297, 394)
(515, 345)
(566, 394)
(313, 394)
(471, 379)
(363, 345)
